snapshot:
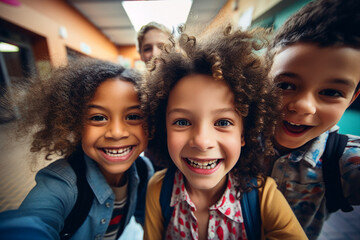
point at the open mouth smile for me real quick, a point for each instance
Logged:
(202, 164)
(295, 129)
(117, 154)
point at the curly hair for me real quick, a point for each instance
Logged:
(55, 107)
(226, 56)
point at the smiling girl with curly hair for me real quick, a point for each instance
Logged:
(208, 100)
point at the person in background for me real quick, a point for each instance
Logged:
(316, 65)
(151, 39)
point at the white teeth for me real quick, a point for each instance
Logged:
(294, 124)
(202, 165)
(117, 152)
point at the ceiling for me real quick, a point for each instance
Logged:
(110, 17)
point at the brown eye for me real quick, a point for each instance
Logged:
(285, 86)
(97, 118)
(331, 93)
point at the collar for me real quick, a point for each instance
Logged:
(227, 205)
(97, 181)
(312, 151)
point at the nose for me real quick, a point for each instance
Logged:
(202, 138)
(303, 104)
(156, 51)
(116, 130)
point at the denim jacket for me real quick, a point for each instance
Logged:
(55, 194)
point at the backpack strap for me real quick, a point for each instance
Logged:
(84, 199)
(143, 172)
(334, 196)
(249, 205)
(250, 208)
(165, 194)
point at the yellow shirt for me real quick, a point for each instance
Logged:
(278, 220)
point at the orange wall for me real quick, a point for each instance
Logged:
(44, 17)
(129, 52)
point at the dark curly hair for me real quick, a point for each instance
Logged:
(229, 56)
(56, 106)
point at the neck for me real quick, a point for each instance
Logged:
(204, 198)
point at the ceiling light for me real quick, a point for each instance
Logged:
(5, 47)
(170, 13)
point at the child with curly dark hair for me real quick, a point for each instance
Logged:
(208, 101)
(317, 70)
(89, 113)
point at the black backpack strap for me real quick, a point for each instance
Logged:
(334, 195)
(145, 171)
(84, 199)
(250, 208)
(142, 169)
(165, 194)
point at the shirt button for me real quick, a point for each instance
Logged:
(211, 235)
(107, 204)
(103, 221)
(282, 160)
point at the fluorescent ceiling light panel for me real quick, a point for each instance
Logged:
(5, 47)
(171, 13)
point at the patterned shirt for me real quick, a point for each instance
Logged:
(299, 177)
(225, 217)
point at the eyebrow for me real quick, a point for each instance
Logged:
(105, 109)
(217, 111)
(286, 74)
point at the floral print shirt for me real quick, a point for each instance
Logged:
(299, 177)
(225, 220)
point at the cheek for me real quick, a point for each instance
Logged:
(331, 116)
(143, 136)
(173, 142)
(231, 145)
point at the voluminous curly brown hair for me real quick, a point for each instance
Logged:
(226, 56)
(55, 107)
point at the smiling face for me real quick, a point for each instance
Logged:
(113, 135)
(152, 44)
(317, 84)
(204, 132)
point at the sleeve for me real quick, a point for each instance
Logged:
(278, 220)
(350, 170)
(53, 196)
(16, 227)
(154, 227)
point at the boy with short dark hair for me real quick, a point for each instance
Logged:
(316, 64)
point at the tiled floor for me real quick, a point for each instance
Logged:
(17, 179)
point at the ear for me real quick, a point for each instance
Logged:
(242, 138)
(354, 97)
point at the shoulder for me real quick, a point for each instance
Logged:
(157, 179)
(269, 191)
(59, 169)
